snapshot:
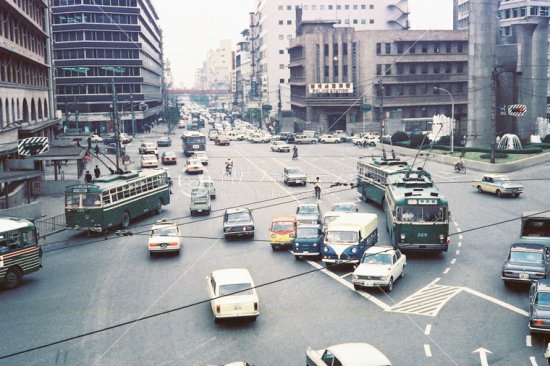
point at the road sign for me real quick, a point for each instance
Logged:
(32, 146)
(517, 110)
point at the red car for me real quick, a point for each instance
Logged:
(169, 157)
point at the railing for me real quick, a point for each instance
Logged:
(50, 225)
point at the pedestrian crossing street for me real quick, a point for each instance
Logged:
(427, 301)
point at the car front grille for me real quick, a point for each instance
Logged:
(369, 278)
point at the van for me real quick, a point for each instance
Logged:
(348, 236)
(200, 201)
(307, 241)
(213, 133)
(282, 232)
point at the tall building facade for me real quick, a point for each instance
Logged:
(219, 66)
(242, 73)
(26, 99)
(275, 25)
(101, 44)
(400, 75)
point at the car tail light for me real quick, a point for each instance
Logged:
(218, 309)
(172, 244)
(152, 245)
(538, 322)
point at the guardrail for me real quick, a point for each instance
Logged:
(51, 225)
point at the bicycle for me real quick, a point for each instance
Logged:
(460, 168)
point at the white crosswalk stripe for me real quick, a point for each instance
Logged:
(427, 301)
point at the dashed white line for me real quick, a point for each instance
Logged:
(457, 252)
(427, 350)
(461, 236)
(456, 224)
(533, 361)
(428, 329)
(453, 261)
(528, 341)
(446, 270)
(459, 243)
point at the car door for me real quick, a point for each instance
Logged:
(212, 292)
(399, 263)
(491, 185)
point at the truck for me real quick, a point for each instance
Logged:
(535, 228)
(311, 134)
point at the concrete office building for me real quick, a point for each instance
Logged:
(242, 73)
(219, 66)
(26, 97)
(96, 42)
(275, 25)
(514, 59)
(333, 71)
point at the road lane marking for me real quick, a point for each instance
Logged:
(345, 275)
(372, 299)
(528, 341)
(447, 270)
(459, 243)
(457, 252)
(453, 261)
(496, 301)
(533, 361)
(428, 329)
(427, 350)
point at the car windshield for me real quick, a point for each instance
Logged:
(165, 231)
(526, 257)
(195, 140)
(422, 213)
(149, 157)
(236, 288)
(192, 161)
(295, 171)
(379, 258)
(238, 217)
(543, 298)
(169, 155)
(309, 209)
(282, 226)
(344, 207)
(307, 233)
(341, 237)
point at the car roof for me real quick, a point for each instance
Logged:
(148, 156)
(358, 354)
(527, 246)
(237, 210)
(283, 218)
(164, 222)
(543, 284)
(232, 275)
(380, 249)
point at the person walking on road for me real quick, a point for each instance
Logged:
(88, 177)
(96, 149)
(317, 187)
(97, 172)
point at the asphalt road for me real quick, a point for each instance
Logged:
(447, 310)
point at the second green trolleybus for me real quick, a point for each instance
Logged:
(114, 200)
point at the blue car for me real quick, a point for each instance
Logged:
(307, 242)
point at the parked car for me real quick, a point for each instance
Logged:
(307, 241)
(500, 185)
(193, 166)
(169, 157)
(329, 139)
(525, 263)
(539, 307)
(125, 138)
(280, 146)
(232, 294)
(165, 237)
(365, 139)
(238, 222)
(200, 201)
(222, 140)
(294, 175)
(213, 134)
(148, 148)
(380, 266)
(345, 207)
(308, 213)
(96, 138)
(304, 139)
(202, 156)
(164, 141)
(149, 161)
(347, 354)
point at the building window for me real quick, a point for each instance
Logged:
(355, 21)
(412, 49)
(289, 22)
(448, 47)
(280, 7)
(399, 69)
(346, 21)
(460, 68)
(313, 7)
(448, 68)
(321, 7)
(330, 7)
(436, 48)
(424, 68)
(363, 21)
(460, 47)
(412, 69)
(363, 7)
(371, 21)
(399, 48)
(378, 48)
(371, 6)
(289, 7)
(281, 66)
(281, 52)
(281, 22)
(281, 36)
(281, 81)
(338, 7)
(378, 69)
(437, 68)
(289, 36)
(346, 7)
(388, 48)
(412, 89)
(424, 48)
(355, 7)
(388, 68)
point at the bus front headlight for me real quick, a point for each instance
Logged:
(402, 236)
(354, 250)
(325, 249)
(441, 238)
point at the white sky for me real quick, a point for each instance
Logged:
(192, 27)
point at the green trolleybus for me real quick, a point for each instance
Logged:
(114, 200)
(417, 215)
(193, 141)
(372, 174)
(19, 250)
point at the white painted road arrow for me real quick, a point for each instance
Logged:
(483, 355)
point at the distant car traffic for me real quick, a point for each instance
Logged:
(347, 354)
(164, 141)
(280, 146)
(148, 148)
(169, 157)
(165, 237)
(209, 186)
(96, 138)
(499, 185)
(201, 156)
(294, 175)
(232, 294)
(238, 222)
(329, 139)
(193, 166)
(308, 213)
(380, 266)
(525, 263)
(539, 307)
(365, 139)
(149, 161)
(222, 140)
(304, 139)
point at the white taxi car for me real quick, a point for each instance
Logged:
(193, 166)
(202, 156)
(165, 237)
(232, 294)
(379, 266)
(280, 146)
(149, 161)
(329, 139)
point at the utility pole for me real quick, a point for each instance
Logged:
(494, 83)
(382, 124)
(132, 110)
(117, 132)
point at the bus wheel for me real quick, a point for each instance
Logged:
(12, 279)
(159, 206)
(125, 219)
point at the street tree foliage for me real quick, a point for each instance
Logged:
(399, 136)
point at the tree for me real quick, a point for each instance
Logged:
(399, 136)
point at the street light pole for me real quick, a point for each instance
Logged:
(452, 118)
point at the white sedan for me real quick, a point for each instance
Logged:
(193, 166)
(165, 237)
(329, 139)
(379, 266)
(280, 146)
(232, 294)
(96, 138)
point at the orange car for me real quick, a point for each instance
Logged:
(282, 232)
